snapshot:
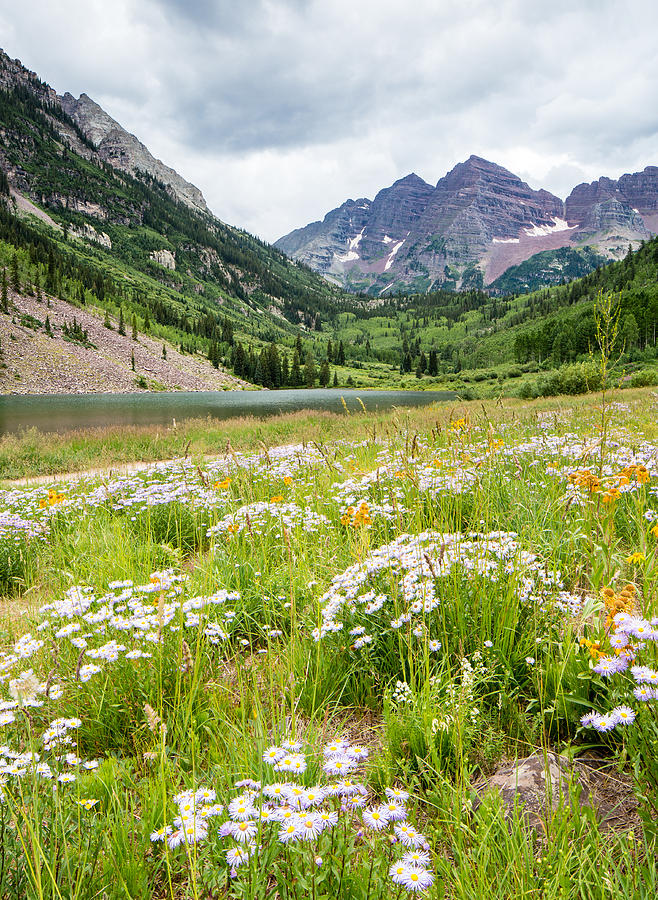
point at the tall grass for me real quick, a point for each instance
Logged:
(251, 600)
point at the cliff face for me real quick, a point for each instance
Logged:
(321, 245)
(97, 137)
(124, 151)
(477, 221)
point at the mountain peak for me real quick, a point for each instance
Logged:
(124, 151)
(479, 164)
(479, 219)
(411, 178)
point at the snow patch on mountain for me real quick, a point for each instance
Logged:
(542, 230)
(349, 256)
(354, 243)
(391, 256)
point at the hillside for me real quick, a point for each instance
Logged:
(92, 226)
(483, 345)
(51, 346)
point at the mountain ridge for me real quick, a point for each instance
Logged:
(124, 151)
(477, 221)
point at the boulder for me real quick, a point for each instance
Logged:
(536, 784)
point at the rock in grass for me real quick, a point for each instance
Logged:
(536, 785)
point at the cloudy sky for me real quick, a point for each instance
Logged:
(279, 110)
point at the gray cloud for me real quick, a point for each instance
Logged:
(281, 109)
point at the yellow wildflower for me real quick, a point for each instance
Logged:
(636, 557)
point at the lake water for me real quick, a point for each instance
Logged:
(64, 412)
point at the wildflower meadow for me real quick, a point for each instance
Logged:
(290, 671)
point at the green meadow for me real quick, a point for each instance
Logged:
(284, 659)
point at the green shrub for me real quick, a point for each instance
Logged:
(643, 378)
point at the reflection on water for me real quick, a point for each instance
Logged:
(63, 412)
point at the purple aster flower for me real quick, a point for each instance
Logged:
(396, 794)
(416, 858)
(607, 666)
(176, 838)
(375, 818)
(604, 722)
(339, 765)
(237, 856)
(643, 692)
(243, 832)
(310, 826)
(241, 809)
(640, 629)
(624, 715)
(417, 879)
(396, 811)
(617, 641)
(640, 673)
(408, 835)
(290, 831)
(413, 878)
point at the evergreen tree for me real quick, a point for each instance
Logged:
(335, 378)
(227, 332)
(4, 301)
(330, 351)
(122, 324)
(340, 357)
(274, 366)
(325, 375)
(48, 326)
(239, 361)
(107, 322)
(147, 323)
(164, 352)
(295, 370)
(134, 323)
(433, 366)
(132, 360)
(309, 370)
(258, 371)
(15, 275)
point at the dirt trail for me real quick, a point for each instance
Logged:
(103, 471)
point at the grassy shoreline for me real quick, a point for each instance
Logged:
(33, 454)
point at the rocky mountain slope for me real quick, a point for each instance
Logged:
(478, 221)
(124, 151)
(41, 354)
